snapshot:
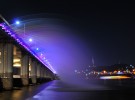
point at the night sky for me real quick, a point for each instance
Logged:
(108, 29)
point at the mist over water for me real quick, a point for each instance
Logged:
(61, 45)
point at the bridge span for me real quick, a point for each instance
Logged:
(19, 66)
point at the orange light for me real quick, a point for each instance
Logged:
(104, 71)
(115, 71)
(114, 77)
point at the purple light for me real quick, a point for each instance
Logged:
(15, 36)
(9, 33)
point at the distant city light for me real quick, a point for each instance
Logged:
(132, 66)
(17, 22)
(104, 71)
(114, 77)
(119, 72)
(30, 40)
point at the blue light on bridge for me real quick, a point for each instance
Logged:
(17, 22)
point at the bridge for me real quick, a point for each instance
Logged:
(19, 65)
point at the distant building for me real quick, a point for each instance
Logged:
(113, 70)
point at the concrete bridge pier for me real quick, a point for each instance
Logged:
(25, 68)
(45, 71)
(38, 73)
(42, 74)
(47, 75)
(33, 71)
(51, 76)
(6, 65)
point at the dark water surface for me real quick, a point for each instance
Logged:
(58, 90)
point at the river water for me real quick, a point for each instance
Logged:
(58, 90)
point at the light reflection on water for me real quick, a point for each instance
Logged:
(58, 90)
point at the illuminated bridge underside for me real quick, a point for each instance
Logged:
(26, 46)
(19, 65)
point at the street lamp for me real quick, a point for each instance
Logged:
(18, 22)
(30, 40)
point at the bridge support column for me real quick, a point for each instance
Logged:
(47, 74)
(38, 73)
(25, 69)
(33, 72)
(50, 75)
(6, 65)
(43, 72)
(42, 76)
